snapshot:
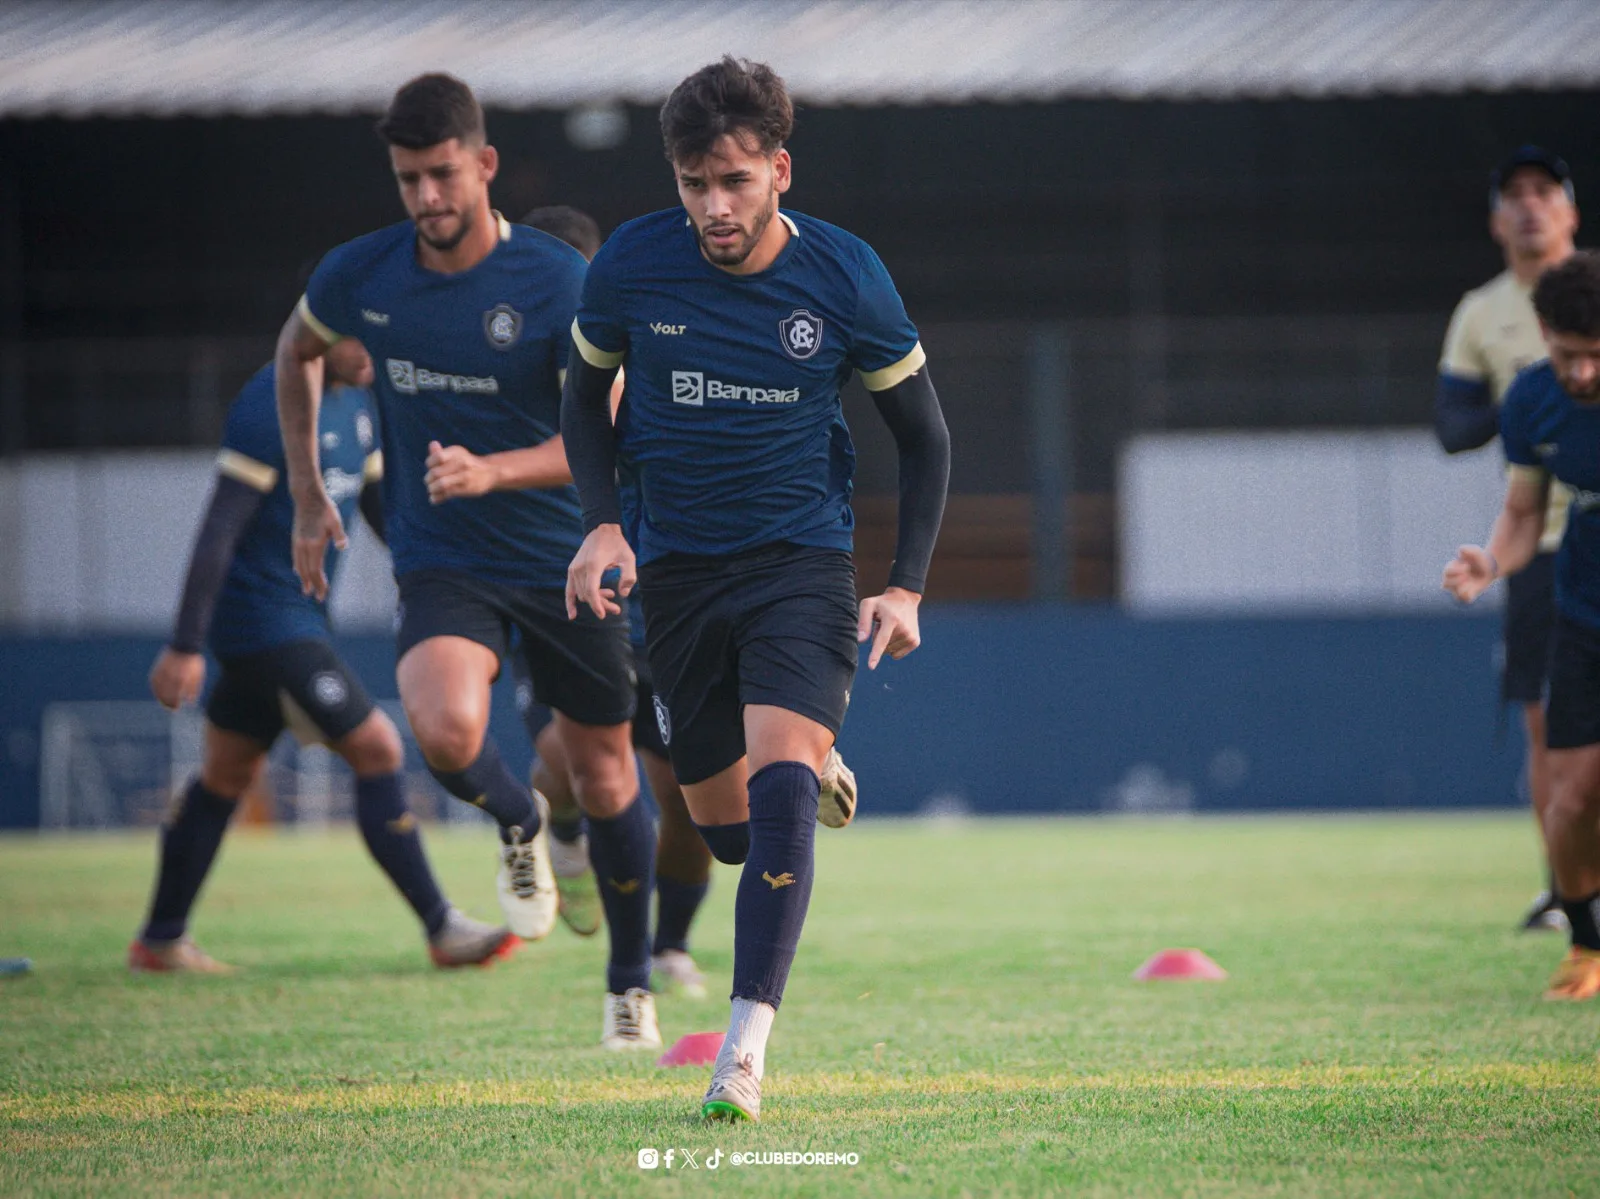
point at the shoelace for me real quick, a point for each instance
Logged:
(519, 866)
(625, 1011)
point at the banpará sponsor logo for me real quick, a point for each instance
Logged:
(408, 378)
(694, 389)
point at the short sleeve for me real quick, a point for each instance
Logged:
(1463, 354)
(1516, 430)
(252, 448)
(600, 328)
(883, 344)
(326, 305)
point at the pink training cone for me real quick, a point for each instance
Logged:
(693, 1049)
(1180, 963)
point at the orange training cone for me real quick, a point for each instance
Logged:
(1180, 963)
(693, 1049)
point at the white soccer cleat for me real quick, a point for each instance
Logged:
(630, 1021)
(526, 882)
(679, 973)
(735, 1092)
(836, 802)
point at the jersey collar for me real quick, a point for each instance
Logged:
(778, 263)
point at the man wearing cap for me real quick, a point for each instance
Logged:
(1533, 216)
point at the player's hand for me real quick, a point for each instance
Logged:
(890, 620)
(602, 549)
(455, 472)
(316, 522)
(176, 678)
(1469, 573)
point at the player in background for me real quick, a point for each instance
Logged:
(1493, 335)
(242, 599)
(1550, 429)
(467, 316)
(729, 466)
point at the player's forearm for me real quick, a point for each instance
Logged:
(540, 466)
(589, 440)
(232, 506)
(1514, 540)
(911, 410)
(298, 383)
(1464, 416)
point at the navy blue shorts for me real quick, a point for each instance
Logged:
(582, 668)
(775, 625)
(1530, 628)
(1572, 720)
(646, 725)
(301, 685)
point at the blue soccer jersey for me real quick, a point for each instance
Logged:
(471, 359)
(730, 434)
(261, 604)
(1546, 433)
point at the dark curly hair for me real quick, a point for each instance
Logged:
(431, 109)
(737, 96)
(1567, 297)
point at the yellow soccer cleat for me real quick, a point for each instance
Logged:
(1578, 976)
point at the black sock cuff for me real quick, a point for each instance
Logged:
(381, 791)
(787, 790)
(1583, 915)
(200, 795)
(729, 843)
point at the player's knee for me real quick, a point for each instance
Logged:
(227, 780)
(374, 748)
(448, 740)
(605, 783)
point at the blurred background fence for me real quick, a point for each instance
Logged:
(1183, 271)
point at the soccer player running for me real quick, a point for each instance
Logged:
(468, 317)
(683, 861)
(278, 670)
(1493, 334)
(738, 324)
(1550, 429)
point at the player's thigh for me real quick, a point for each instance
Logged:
(1529, 632)
(582, 668)
(695, 701)
(243, 718)
(797, 660)
(445, 686)
(322, 699)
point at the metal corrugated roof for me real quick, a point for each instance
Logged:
(84, 57)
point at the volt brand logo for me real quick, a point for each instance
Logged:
(375, 318)
(694, 389)
(667, 330)
(689, 387)
(408, 379)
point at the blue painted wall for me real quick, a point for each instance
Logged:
(1049, 709)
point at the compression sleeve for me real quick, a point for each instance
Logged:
(590, 439)
(233, 505)
(371, 501)
(911, 410)
(1464, 416)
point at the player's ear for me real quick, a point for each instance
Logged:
(782, 171)
(489, 163)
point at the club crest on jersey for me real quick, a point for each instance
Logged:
(502, 325)
(801, 333)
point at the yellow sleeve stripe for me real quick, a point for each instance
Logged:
(316, 326)
(1518, 473)
(247, 470)
(373, 470)
(592, 354)
(889, 376)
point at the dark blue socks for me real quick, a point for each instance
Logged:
(729, 843)
(775, 887)
(487, 784)
(189, 844)
(392, 837)
(623, 853)
(676, 904)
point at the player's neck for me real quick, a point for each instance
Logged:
(773, 238)
(1527, 269)
(472, 249)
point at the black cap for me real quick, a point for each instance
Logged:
(1530, 156)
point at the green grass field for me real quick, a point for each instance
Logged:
(961, 1017)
